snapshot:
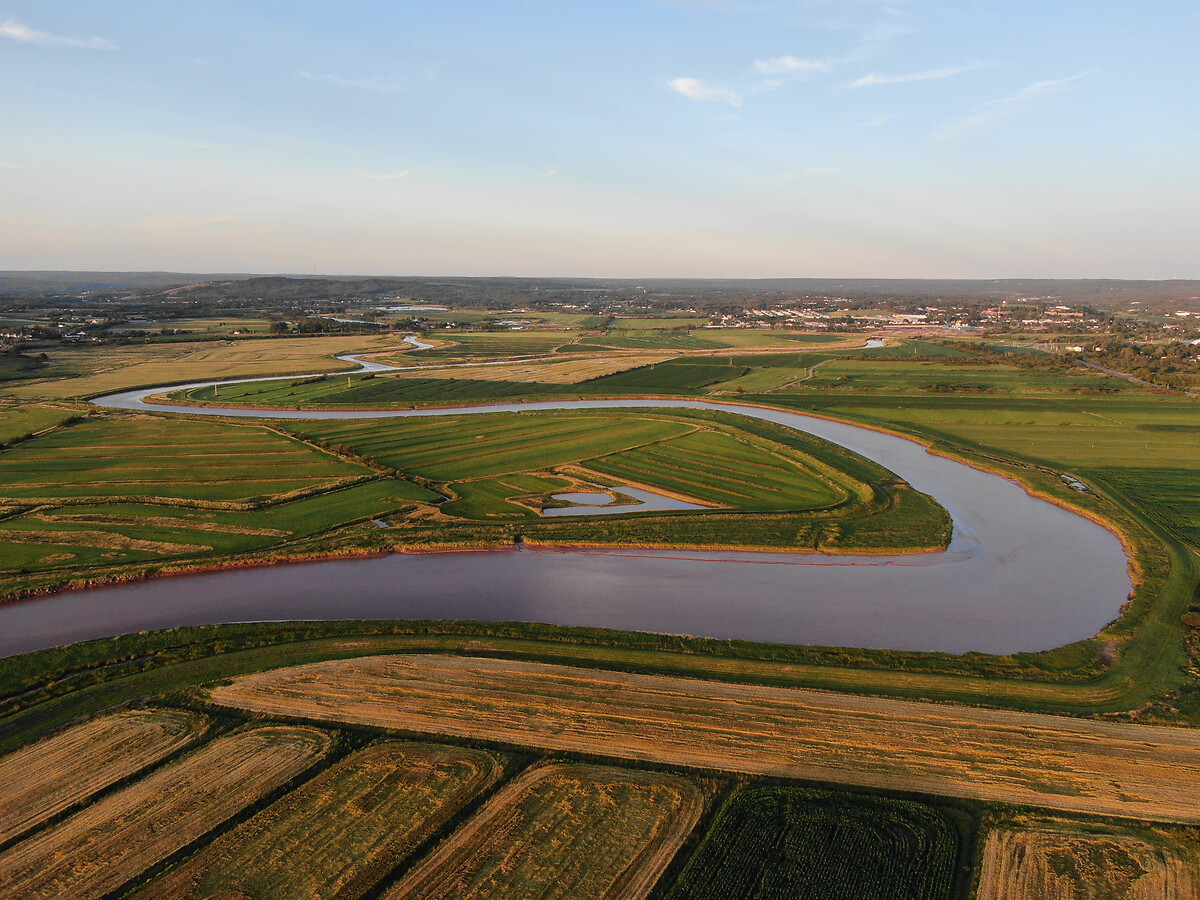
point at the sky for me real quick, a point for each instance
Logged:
(628, 138)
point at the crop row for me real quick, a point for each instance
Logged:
(775, 843)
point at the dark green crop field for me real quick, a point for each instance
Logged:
(665, 378)
(774, 843)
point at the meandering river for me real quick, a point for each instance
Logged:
(1021, 574)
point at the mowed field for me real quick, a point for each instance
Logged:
(782, 843)
(340, 833)
(97, 850)
(563, 831)
(1040, 858)
(1011, 757)
(52, 775)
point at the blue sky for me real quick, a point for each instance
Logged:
(723, 138)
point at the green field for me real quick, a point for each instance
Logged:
(718, 468)
(675, 376)
(769, 843)
(138, 458)
(19, 423)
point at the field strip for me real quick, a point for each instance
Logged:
(43, 779)
(117, 838)
(1076, 765)
(563, 831)
(340, 833)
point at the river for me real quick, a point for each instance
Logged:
(1021, 574)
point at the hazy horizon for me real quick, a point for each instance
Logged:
(672, 139)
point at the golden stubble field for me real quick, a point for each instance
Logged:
(95, 851)
(997, 755)
(45, 778)
(100, 370)
(571, 370)
(1043, 858)
(563, 831)
(337, 835)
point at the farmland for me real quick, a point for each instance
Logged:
(48, 777)
(115, 839)
(794, 843)
(1010, 757)
(80, 372)
(341, 832)
(102, 493)
(625, 725)
(1027, 858)
(580, 832)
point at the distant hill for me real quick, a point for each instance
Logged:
(500, 293)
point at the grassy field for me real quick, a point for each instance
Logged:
(339, 834)
(719, 468)
(147, 457)
(97, 850)
(451, 449)
(801, 844)
(110, 491)
(1031, 858)
(563, 831)
(43, 779)
(21, 421)
(1009, 757)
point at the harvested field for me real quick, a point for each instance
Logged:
(1076, 861)
(782, 842)
(43, 779)
(569, 831)
(115, 839)
(339, 834)
(1012, 757)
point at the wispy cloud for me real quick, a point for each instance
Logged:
(876, 121)
(872, 79)
(790, 65)
(697, 90)
(995, 110)
(550, 173)
(14, 31)
(374, 84)
(385, 176)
